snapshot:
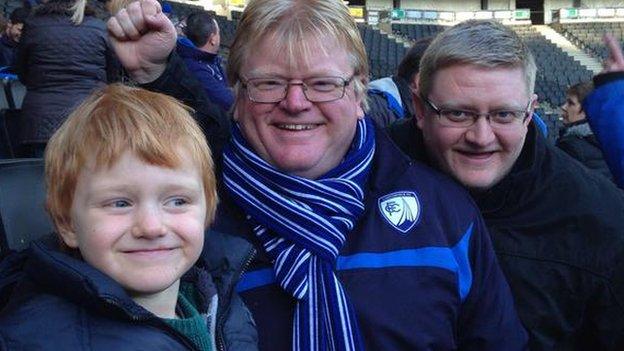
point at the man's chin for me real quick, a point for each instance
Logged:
(476, 185)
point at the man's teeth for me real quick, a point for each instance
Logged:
(297, 126)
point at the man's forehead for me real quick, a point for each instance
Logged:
(313, 56)
(464, 82)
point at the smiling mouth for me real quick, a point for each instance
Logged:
(297, 127)
(149, 252)
(476, 155)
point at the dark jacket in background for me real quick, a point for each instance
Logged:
(578, 140)
(178, 82)
(558, 232)
(206, 67)
(8, 49)
(60, 64)
(62, 303)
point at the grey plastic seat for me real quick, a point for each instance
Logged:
(22, 197)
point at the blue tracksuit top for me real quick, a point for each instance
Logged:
(206, 68)
(429, 283)
(605, 113)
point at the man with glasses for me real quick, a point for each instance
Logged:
(354, 246)
(557, 228)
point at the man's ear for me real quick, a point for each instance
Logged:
(534, 105)
(212, 39)
(419, 105)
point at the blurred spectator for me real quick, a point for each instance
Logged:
(390, 98)
(605, 109)
(3, 23)
(11, 36)
(200, 53)
(167, 9)
(576, 138)
(62, 57)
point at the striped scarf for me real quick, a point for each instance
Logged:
(302, 225)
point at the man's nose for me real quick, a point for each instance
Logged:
(481, 132)
(295, 100)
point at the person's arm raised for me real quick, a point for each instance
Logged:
(143, 38)
(615, 61)
(604, 108)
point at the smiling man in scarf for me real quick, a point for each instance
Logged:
(354, 246)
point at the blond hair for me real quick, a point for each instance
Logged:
(78, 11)
(291, 24)
(116, 119)
(485, 43)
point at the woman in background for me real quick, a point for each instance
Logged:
(63, 56)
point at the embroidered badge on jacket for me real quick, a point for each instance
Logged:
(400, 209)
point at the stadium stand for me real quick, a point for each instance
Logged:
(588, 35)
(384, 54)
(556, 69)
(228, 28)
(416, 31)
(181, 10)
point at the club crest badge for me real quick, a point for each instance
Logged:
(400, 209)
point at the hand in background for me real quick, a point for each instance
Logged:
(615, 61)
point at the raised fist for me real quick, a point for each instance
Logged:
(142, 37)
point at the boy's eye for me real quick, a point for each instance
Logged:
(177, 202)
(119, 204)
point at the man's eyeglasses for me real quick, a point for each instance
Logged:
(317, 89)
(463, 118)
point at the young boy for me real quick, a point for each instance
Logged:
(130, 189)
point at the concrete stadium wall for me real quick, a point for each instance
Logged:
(444, 5)
(602, 3)
(550, 5)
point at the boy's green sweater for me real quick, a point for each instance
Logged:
(191, 323)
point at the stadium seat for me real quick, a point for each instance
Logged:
(9, 133)
(588, 36)
(22, 197)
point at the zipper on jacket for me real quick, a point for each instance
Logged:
(156, 323)
(221, 317)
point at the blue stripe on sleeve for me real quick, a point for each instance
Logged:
(455, 259)
(255, 279)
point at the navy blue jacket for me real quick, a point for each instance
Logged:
(206, 67)
(436, 286)
(558, 233)
(8, 49)
(579, 141)
(61, 303)
(605, 113)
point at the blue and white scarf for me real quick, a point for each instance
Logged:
(302, 225)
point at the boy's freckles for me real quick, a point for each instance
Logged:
(142, 225)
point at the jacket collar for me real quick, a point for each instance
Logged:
(186, 49)
(389, 162)
(579, 128)
(72, 278)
